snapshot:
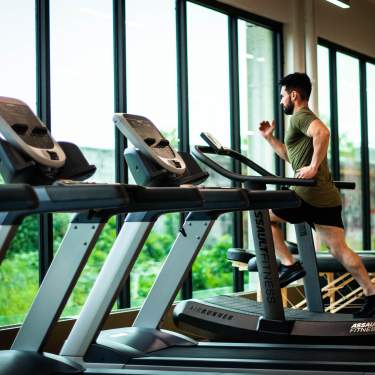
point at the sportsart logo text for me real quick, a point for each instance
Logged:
(364, 327)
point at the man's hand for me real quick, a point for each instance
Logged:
(266, 129)
(306, 172)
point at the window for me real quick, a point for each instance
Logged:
(346, 72)
(82, 102)
(19, 271)
(208, 73)
(257, 98)
(324, 90)
(349, 128)
(324, 94)
(151, 92)
(257, 91)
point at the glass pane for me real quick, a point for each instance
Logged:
(151, 92)
(18, 59)
(371, 141)
(349, 124)
(208, 72)
(257, 94)
(257, 90)
(82, 103)
(82, 79)
(19, 275)
(324, 92)
(324, 95)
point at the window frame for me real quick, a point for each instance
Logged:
(365, 163)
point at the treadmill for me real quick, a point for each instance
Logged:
(30, 155)
(254, 321)
(30, 360)
(145, 346)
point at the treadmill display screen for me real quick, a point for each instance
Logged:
(151, 136)
(25, 125)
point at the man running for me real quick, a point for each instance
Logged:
(305, 147)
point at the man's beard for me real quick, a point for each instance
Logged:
(289, 108)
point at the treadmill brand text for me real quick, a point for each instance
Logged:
(363, 327)
(209, 312)
(263, 251)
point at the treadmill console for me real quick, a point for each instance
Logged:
(144, 135)
(23, 130)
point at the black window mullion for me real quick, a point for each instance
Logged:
(121, 170)
(335, 147)
(366, 204)
(183, 106)
(44, 113)
(238, 276)
(182, 76)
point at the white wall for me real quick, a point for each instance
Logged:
(353, 28)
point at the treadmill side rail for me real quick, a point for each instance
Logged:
(306, 249)
(113, 274)
(64, 271)
(182, 254)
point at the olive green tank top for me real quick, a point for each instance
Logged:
(300, 151)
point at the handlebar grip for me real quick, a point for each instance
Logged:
(213, 142)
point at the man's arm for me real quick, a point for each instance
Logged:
(267, 129)
(320, 135)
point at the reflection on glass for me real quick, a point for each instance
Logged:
(371, 141)
(19, 274)
(257, 93)
(151, 92)
(208, 72)
(349, 124)
(82, 103)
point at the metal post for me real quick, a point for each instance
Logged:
(306, 249)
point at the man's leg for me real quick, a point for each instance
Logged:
(290, 269)
(281, 249)
(335, 239)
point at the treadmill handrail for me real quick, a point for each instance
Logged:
(265, 178)
(17, 197)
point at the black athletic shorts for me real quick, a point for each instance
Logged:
(312, 215)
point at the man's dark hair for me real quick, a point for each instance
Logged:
(299, 82)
